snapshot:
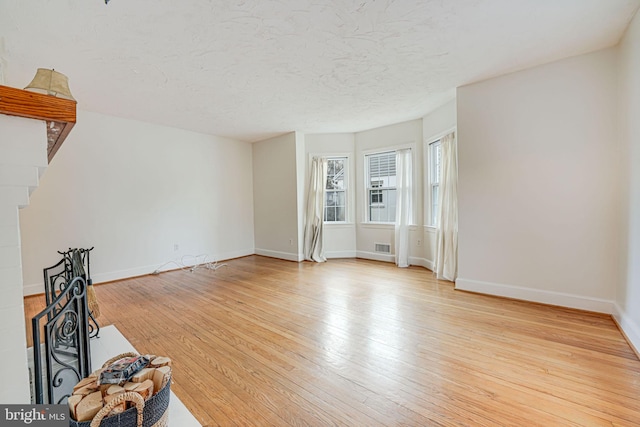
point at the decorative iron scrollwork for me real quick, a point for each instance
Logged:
(65, 357)
(56, 282)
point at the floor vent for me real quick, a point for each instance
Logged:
(384, 248)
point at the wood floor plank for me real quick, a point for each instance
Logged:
(265, 342)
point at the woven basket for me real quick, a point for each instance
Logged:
(150, 413)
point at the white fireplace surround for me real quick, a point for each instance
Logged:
(23, 158)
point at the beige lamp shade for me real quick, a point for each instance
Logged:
(50, 82)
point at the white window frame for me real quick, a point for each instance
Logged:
(429, 216)
(379, 188)
(365, 213)
(433, 184)
(346, 160)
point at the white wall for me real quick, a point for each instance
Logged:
(367, 235)
(435, 125)
(339, 239)
(23, 156)
(300, 191)
(439, 122)
(275, 197)
(627, 310)
(539, 183)
(134, 190)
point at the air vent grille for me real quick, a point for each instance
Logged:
(384, 248)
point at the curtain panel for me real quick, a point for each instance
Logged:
(314, 218)
(446, 263)
(404, 205)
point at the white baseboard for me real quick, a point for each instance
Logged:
(536, 295)
(629, 328)
(422, 262)
(130, 272)
(33, 289)
(280, 255)
(340, 254)
(234, 254)
(187, 261)
(38, 288)
(375, 256)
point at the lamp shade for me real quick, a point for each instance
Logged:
(50, 82)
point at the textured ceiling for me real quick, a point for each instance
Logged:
(256, 68)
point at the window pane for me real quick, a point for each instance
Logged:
(435, 157)
(335, 206)
(374, 214)
(336, 185)
(382, 165)
(434, 205)
(330, 198)
(375, 197)
(381, 186)
(329, 214)
(435, 162)
(390, 205)
(335, 174)
(382, 207)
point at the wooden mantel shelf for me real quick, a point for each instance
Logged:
(59, 113)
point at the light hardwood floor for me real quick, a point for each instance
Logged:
(352, 342)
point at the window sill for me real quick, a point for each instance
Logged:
(383, 225)
(377, 225)
(339, 224)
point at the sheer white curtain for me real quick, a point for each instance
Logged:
(403, 206)
(446, 265)
(314, 220)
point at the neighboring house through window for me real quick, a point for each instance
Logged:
(381, 186)
(376, 195)
(335, 207)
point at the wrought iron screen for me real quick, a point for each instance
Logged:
(57, 277)
(63, 358)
